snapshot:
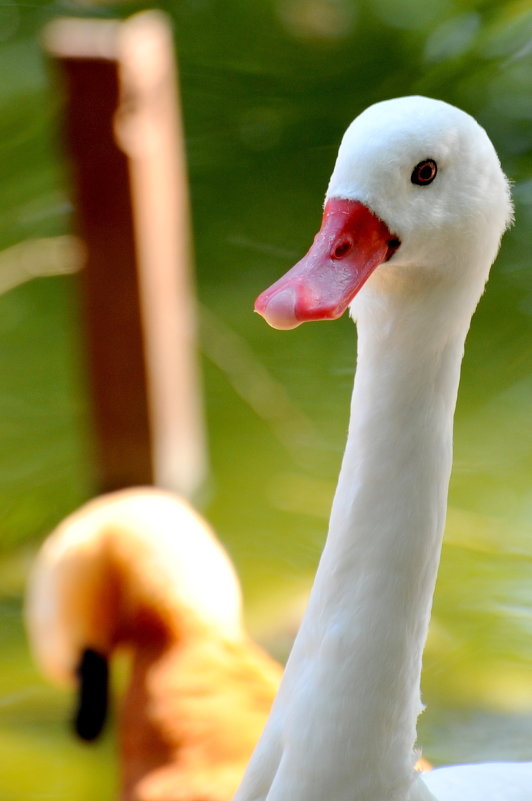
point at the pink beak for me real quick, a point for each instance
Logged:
(350, 244)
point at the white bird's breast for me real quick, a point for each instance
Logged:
(495, 781)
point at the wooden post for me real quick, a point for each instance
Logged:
(123, 136)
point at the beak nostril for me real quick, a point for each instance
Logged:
(342, 249)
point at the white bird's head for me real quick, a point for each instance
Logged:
(418, 193)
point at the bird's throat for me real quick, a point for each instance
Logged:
(348, 704)
(374, 586)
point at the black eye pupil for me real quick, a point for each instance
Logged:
(424, 172)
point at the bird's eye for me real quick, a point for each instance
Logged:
(425, 172)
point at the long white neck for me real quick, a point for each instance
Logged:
(376, 578)
(344, 722)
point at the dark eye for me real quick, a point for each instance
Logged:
(425, 172)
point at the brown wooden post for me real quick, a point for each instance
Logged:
(123, 136)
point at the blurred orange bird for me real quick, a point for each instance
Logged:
(140, 569)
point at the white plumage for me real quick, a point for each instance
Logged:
(415, 211)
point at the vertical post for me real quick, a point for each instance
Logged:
(123, 135)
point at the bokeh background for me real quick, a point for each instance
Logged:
(267, 90)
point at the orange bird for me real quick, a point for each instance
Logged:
(140, 570)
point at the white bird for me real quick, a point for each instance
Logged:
(414, 213)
